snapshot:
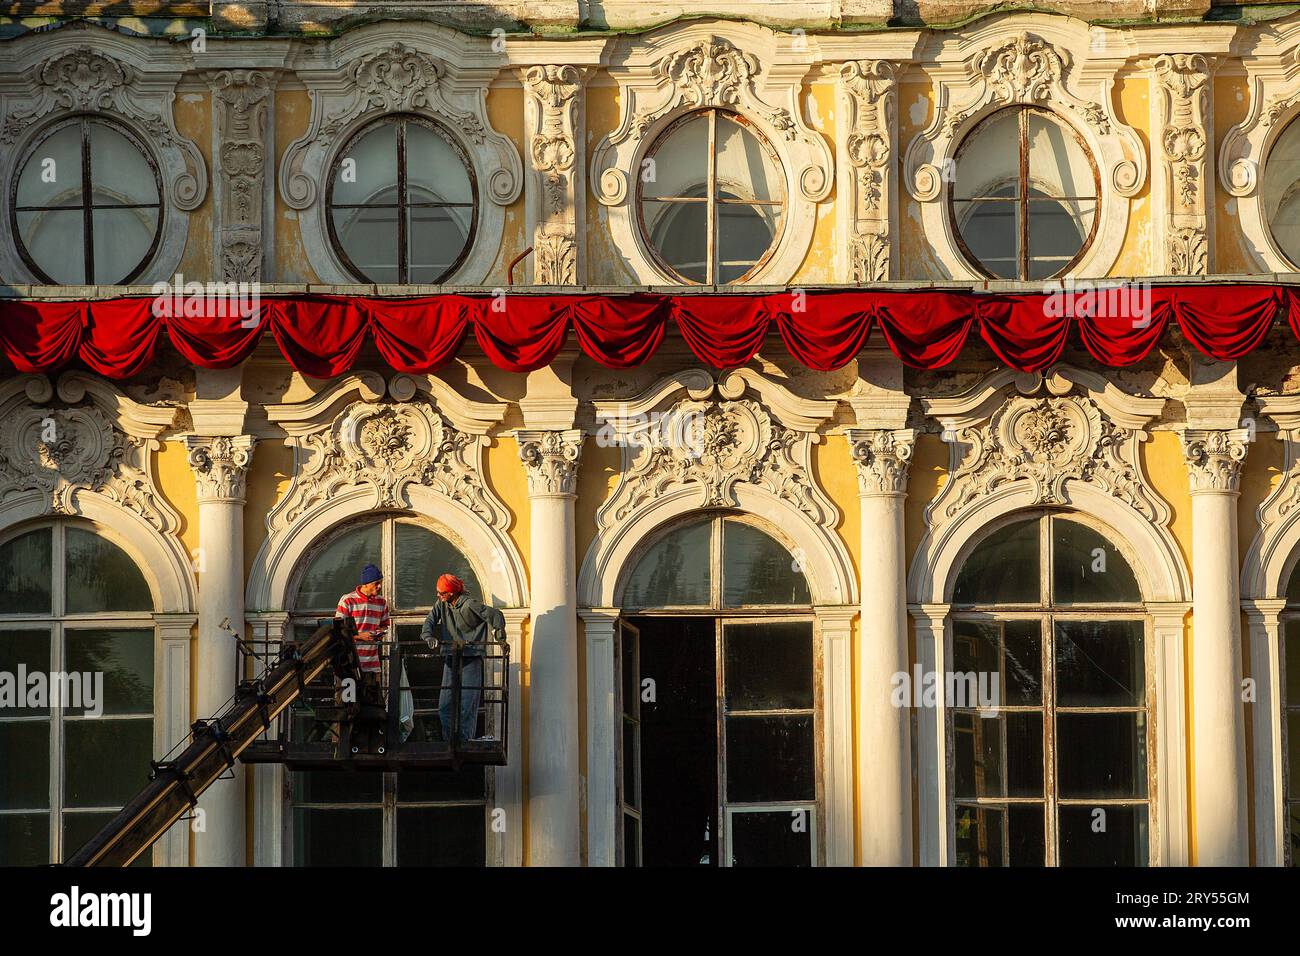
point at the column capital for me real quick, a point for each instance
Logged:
(882, 457)
(599, 621)
(220, 465)
(551, 460)
(1214, 458)
(1264, 612)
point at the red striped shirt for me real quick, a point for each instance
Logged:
(371, 614)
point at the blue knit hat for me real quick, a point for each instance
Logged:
(371, 573)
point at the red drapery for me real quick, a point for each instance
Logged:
(322, 335)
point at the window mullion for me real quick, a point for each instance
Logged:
(1024, 194)
(1049, 739)
(402, 272)
(711, 273)
(87, 205)
(56, 748)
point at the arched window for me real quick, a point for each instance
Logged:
(719, 760)
(1289, 668)
(401, 202)
(87, 204)
(1048, 700)
(1024, 199)
(412, 818)
(76, 620)
(711, 198)
(1282, 192)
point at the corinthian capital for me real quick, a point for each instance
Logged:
(220, 465)
(1215, 458)
(551, 460)
(882, 457)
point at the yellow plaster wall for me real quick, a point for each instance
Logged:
(1133, 107)
(268, 480)
(193, 114)
(1231, 104)
(819, 264)
(505, 108)
(292, 114)
(605, 264)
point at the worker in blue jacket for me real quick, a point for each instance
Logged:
(461, 623)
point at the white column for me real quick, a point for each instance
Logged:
(603, 726)
(551, 460)
(220, 467)
(884, 730)
(1214, 459)
(1266, 635)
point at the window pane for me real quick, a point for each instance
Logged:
(368, 236)
(125, 658)
(441, 836)
(1281, 192)
(1058, 229)
(680, 161)
(81, 825)
(52, 175)
(1101, 755)
(424, 679)
(746, 168)
(1292, 676)
(1058, 165)
(328, 786)
(1088, 569)
(106, 761)
(768, 666)
(56, 242)
(1000, 756)
(680, 233)
(373, 170)
(1003, 569)
(628, 666)
(30, 650)
(25, 764)
(121, 174)
(630, 760)
(336, 571)
(988, 162)
(24, 839)
(991, 231)
(25, 573)
(1293, 755)
(423, 556)
(771, 838)
(122, 239)
(1099, 664)
(101, 576)
(770, 758)
(675, 572)
(1000, 836)
(436, 237)
(1103, 836)
(631, 841)
(758, 569)
(435, 170)
(745, 233)
(1012, 650)
(338, 837)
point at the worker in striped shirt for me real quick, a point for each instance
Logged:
(367, 607)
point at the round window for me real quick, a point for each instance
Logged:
(711, 194)
(1282, 192)
(401, 202)
(1025, 196)
(86, 204)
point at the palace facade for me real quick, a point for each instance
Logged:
(573, 299)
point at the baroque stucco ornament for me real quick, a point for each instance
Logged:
(1182, 111)
(1068, 426)
(241, 99)
(84, 446)
(868, 93)
(553, 119)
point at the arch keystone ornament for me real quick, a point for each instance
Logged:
(752, 71)
(1056, 66)
(388, 69)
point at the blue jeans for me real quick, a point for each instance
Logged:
(471, 680)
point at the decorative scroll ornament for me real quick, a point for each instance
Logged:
(882, 458)
(75, 449)
(220, 465)
(1043, 442)
(1215, 458)
(387, 447)
(551, 460)
(869, 94)
(242, 97)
